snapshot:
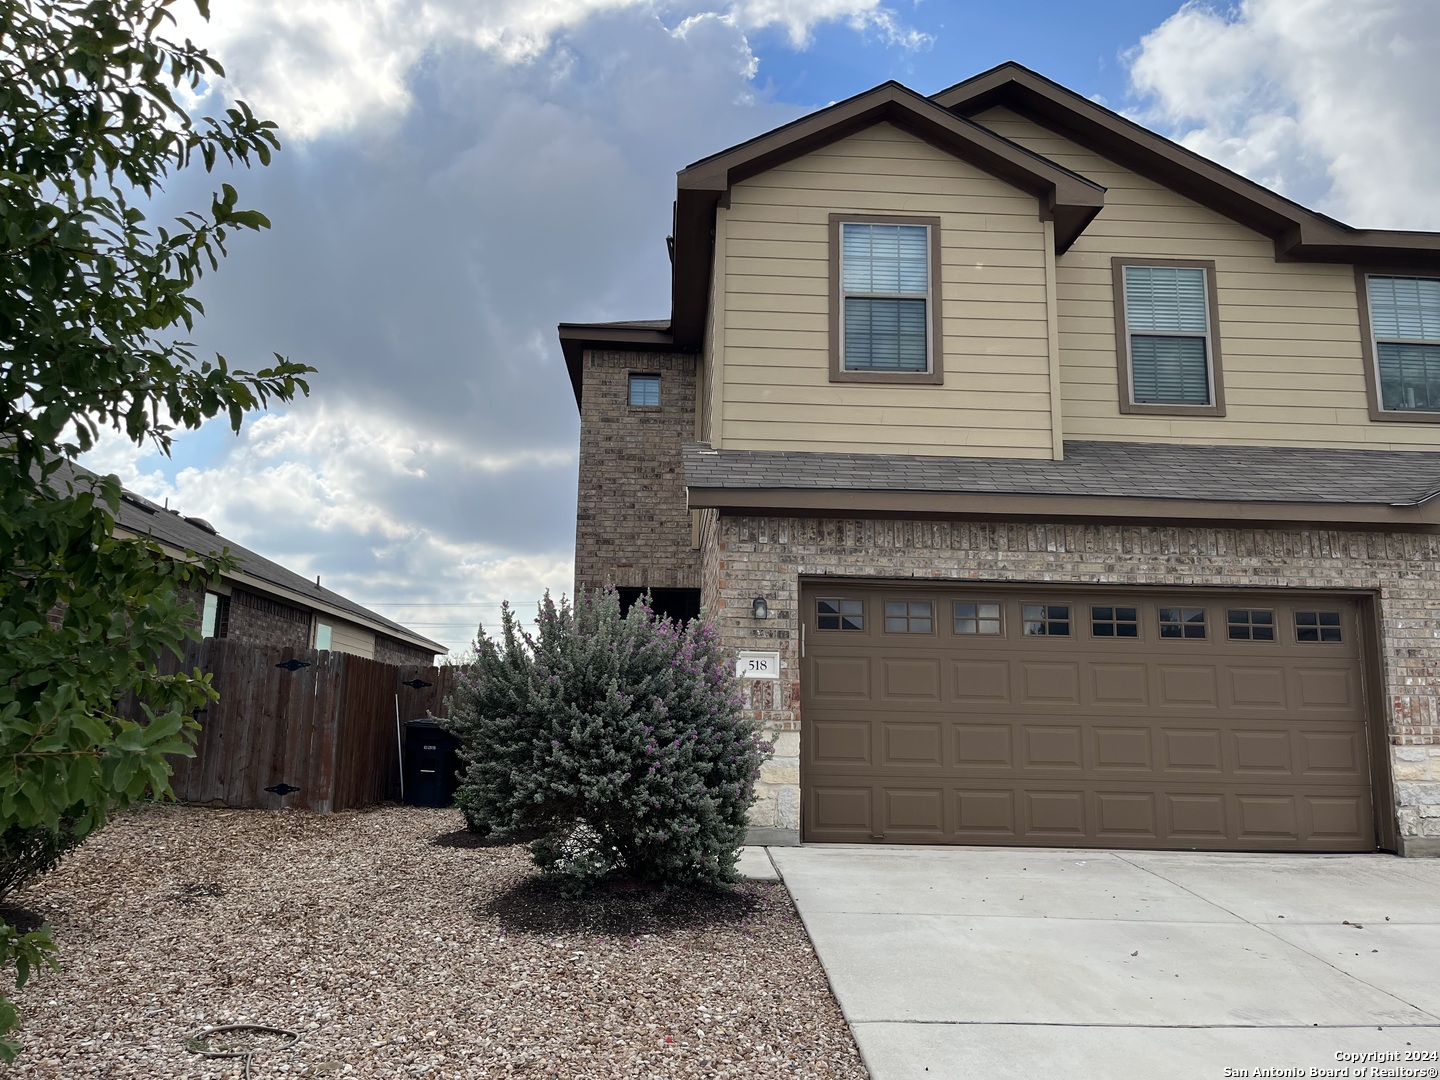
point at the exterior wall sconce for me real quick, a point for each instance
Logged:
(759, 608)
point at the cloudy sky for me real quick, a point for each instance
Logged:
(460, 175)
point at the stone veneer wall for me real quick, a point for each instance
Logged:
(747, 556)
(632, 524)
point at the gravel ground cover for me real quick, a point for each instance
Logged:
(397, 948)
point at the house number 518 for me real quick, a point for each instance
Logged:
(758, 665)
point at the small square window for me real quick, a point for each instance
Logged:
(977, 618)
(1182, 622)
(909, 617)
(1250, 624)
(645, 390)
(1047, 620)
(840, 614)
(1114, 622)
(1317, 626)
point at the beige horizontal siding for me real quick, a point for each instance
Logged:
(1289, 332)
(775, 338)
(348, 638)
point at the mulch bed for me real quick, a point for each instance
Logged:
(396, 946)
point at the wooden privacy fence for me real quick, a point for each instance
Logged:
(326, 728)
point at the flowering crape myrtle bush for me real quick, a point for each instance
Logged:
(620, 742)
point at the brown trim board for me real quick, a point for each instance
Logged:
(1377, 722)
(935, 324)
(1122, 340)
(1367, 348)
(1424, 516)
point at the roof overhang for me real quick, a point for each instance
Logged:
(1067, 199)
(575, 338)
(1299, 233)
(1423, 516)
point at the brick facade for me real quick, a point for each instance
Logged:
(632, 526)
(744, 557)
(263, 620)
(389, 650)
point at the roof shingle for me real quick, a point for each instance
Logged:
(1264, 474)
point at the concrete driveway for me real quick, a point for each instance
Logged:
(1067, 965)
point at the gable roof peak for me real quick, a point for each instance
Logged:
(1298, 232)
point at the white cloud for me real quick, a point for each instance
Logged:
(327, 66)
(1331, 102)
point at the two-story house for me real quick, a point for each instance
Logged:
(1079, 491)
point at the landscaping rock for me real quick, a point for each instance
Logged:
(394, 955)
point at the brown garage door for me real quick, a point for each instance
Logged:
(1054, 717)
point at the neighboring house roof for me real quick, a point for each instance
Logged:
(139, 516)
(1071, 199)
(1121, 479)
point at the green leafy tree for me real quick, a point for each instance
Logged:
(95, 301)
(619, 743)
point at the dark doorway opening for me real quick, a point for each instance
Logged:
(682, 605)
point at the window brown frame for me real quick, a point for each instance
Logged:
(885, 615)
(1116, 622)
(1122, 340)
(977, 619)
(1368, 352)
(839, 613)
(936, 374)
(1251, 625)
(630, 378)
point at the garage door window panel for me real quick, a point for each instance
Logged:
(1180, 622)
(1249, 624)
(1047, 620)
(1114, 622)
(909, 617)
(840, 614)
(978, 618)
(1314, 627)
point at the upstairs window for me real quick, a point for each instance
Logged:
(883, 324)
(1405, 335)
(645, 390)
(1167, 346)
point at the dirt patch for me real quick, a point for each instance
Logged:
(395, 954)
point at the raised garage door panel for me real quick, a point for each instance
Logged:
(1127, 719)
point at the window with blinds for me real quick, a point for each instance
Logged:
(1167, 327)
(1405, 322)
(885, 297)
